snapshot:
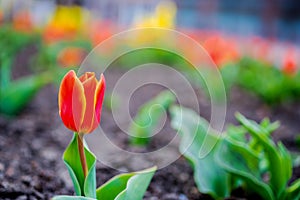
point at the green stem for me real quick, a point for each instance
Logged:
(82, 155)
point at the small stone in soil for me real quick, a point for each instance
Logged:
(182, 197)
(23, 197)
(171, 196)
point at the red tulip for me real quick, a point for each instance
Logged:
(80, 101)
(71, 56)
(22, 22)
(289, 63)
(221, 51)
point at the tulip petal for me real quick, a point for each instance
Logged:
(89, 85)
(71, 100)
(83, 77)
(99, 96)
(86, 76)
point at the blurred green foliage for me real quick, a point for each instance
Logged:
(44, 67)
(15, 94)
(148, 117)
(268, 82)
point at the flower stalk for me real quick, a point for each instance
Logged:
(82, 155)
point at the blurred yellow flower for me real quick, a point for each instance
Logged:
(66, 22)
(68, 18)
(163, 17)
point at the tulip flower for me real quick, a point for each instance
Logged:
(221, 51)
(65, 24)
(80, 102)
(22, 22)
(289, 63)
(71, 56)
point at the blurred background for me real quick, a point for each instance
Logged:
(271, 26)
(270, 18)
(253, 44)
(60, 33)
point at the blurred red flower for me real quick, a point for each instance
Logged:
(22, 22)
(71, 56)
(289, 63)
(220, 50)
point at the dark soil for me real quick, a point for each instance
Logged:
(31, 146)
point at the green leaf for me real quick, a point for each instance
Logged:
(18, 94)
(229, 74)
(237, 133)
(286, 162)
(148, 117)
(280, 163)
(268, 130)
(268, 82)
(13, 41)
(82, 186)
(209, 176)
(129, 186)
(65, 197)
(240, 161)
(270, 127)
(113, 187)
(5, 70)
(293, 192)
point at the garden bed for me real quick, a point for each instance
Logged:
(32, 144)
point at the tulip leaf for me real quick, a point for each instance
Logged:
(17, 94)
(148, 117)
(82, 186)
(280, 162)
(293, 192)
(253, 161)
(5, 70)
(65, 197)
(243, 163)
(209, 176)
(126, 186)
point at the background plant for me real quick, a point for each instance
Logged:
(268, 82)
(16, 94)
(148, 117)
(245, 156)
